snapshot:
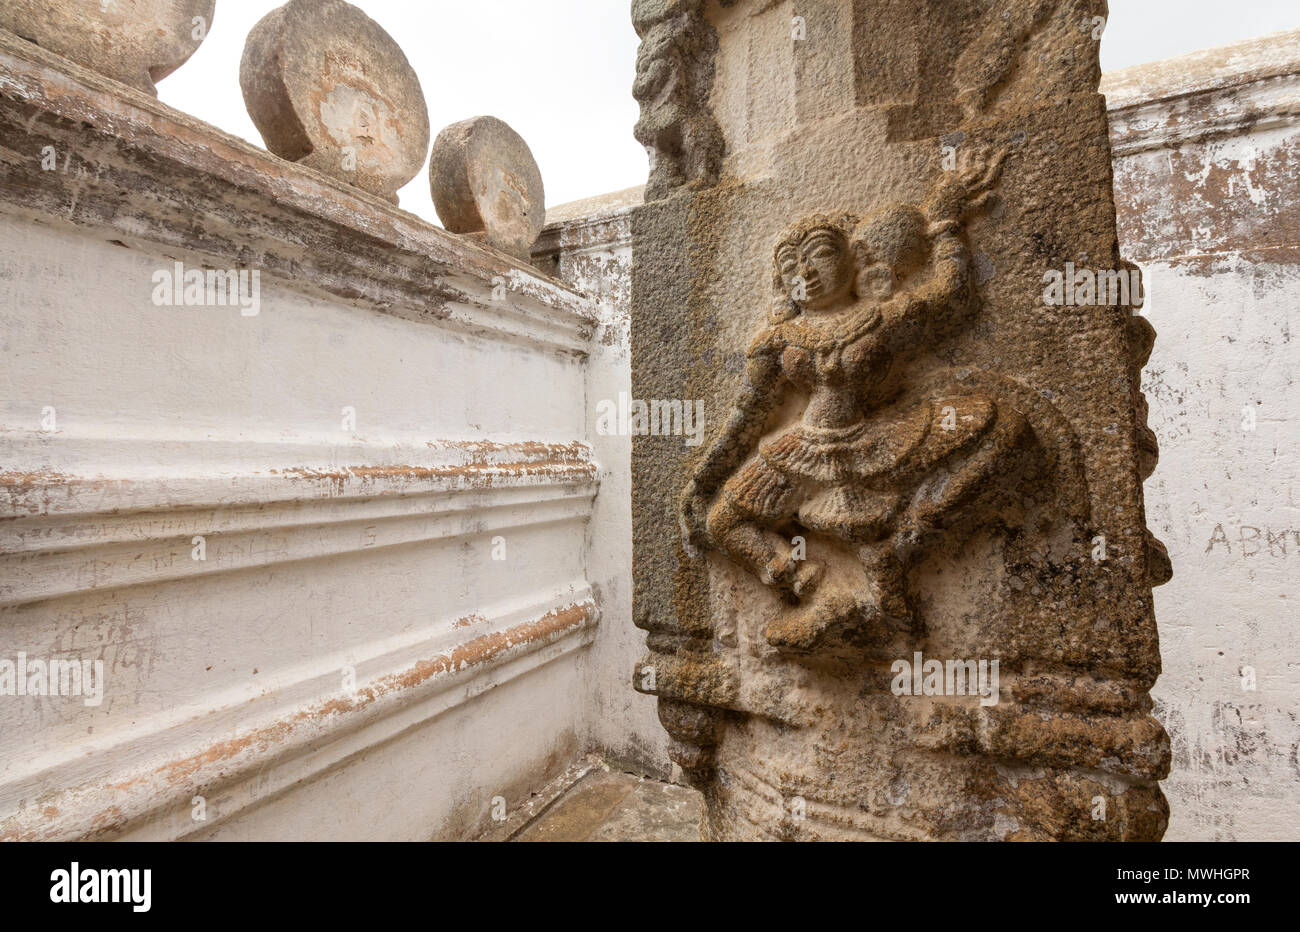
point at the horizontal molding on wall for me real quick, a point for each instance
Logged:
(111, 784)
(529, 322)
(1218, 68)
(143, 173)
(53, 473)
(598, 233)
(1205, 179)
(1239, 111)
(62, 534)
(1234, 91)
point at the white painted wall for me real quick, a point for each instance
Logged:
(594, 254)
(1207, 177)
(387, 628)
(196, 421)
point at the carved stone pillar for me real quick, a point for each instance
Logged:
(903, 590)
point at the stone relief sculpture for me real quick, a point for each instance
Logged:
(985, 67)
(925, 464)
(985, 64)
(870, 464)
(674, 73)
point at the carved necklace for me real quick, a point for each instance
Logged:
(827, 344)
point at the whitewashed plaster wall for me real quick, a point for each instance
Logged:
(385, 630)
(1207, 182)
(592, 250)
(1207, 178)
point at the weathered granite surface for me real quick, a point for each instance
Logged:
(919, 453)
(674, 78)
(328, 87)
(137, 42)
(486, 183)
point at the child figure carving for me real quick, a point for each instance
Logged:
(874, 463)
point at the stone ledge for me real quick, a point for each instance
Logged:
(141, 171)
(1206, 70)
(602, 206)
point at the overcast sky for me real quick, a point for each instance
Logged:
(560, 71)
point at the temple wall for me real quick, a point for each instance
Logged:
(328, 546)
(593, 253)
(355, 558)
(1206, 182)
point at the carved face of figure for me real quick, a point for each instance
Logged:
(816, 269)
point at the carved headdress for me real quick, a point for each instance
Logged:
(842, 225)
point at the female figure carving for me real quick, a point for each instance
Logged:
(868, 464)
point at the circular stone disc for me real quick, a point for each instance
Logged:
(136, 42)
(484, 180)
(328, 87)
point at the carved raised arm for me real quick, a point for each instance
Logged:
(945, 293)
(962, 192)
(958, 195)
(952, 268)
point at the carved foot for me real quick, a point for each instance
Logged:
(798, 578)
(805, 630)
(836, 620)
(807, 580)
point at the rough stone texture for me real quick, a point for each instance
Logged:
(612, 806)
(137, 42)
(877, 290)
(327, 87)
(485, 182)
(1204, 151)
(674, 79)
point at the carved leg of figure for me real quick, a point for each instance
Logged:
(888, 578)
(839, 616)
(755, 499)
(972, 102)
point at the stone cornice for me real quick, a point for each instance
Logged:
(146, 173)
(1206, 70)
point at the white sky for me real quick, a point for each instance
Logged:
(560, 71)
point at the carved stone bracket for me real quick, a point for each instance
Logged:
(674, 75)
